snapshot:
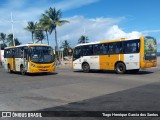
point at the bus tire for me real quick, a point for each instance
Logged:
(9, 69)
(120, 68)
(22, 70)
(86, 67)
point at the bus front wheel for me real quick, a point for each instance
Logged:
(86, 67)
(22, 70)
(120, 68)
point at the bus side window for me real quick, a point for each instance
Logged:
(131, 46)
(13, 52)
(77, 53)
(5, 53)
(103, 49)
(87, 50)
(111, 48)
(115, 48)
(96, 49)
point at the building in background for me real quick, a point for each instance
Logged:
(1, 57)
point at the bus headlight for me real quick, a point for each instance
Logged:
(33, 65)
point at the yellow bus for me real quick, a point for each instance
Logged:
(29, 58)
(120, 55)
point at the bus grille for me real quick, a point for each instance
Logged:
(43, 66)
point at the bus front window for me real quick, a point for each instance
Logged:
(41, 54)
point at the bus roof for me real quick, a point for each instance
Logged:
(26, 45)
(87, 43)
(106, 41)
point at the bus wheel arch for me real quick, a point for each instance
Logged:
(22, 69)
(120, 67)
(85, 67)
(9, 68)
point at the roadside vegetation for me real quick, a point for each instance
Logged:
(42, 29)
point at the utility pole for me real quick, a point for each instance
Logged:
(12, 29)
(0, 56)
(84, 35)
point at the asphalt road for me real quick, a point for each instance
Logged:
(65, 90)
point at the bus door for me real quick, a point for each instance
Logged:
(77, 58)
(89, 56)
(24, 52)
(13, 60)
(103, 56)
(19, 58)
(108, 56)
(114, 55)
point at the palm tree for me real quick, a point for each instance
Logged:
(17, 41)
(39, 36)
(3, 37)
(52, 19)
(66, 47)
(10, 40)
(31, 28)
(83, 39)
(44, 26)
(2, 46)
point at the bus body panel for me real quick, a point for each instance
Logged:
(38, 68)
(103, 62)
(132, 61)
(6, 63)
(23, 58)
(107, 62)
(138, 53)
(93, 61)
(18, 63)
(10, 62)
(77, 64)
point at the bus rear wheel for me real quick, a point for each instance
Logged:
(86, 67)
(120, 68)
(22, 70)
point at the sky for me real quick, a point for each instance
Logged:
(97, 19)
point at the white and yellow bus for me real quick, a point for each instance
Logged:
(29, 58)
(119, 55)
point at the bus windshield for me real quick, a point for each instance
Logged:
(41, 54)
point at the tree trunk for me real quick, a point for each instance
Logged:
(47, 37)
(3, 41)
(32, 38)
(56, 49)
(56, 39)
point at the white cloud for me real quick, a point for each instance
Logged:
(72, 4)
(115, 32)
(28, 10)
(97, 29)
